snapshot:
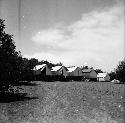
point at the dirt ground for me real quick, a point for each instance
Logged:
(66, 102)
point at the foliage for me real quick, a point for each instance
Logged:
(84, 67)
(27, 67)
(112, 75)
(49, 64)
(9, 59)
(98, 71)
(120, 71)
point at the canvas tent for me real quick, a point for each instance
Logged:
(89, 74)
(74, 71)
(103, 77)
(59, 70)
(41, 70)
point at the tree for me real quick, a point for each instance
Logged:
(120, 71)
(98, 71)
(49, 64)
(112, 75)
(10, 59)
(33, 62)
(84, 67)
(27, 67)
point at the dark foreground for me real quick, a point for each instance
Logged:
(65, 102)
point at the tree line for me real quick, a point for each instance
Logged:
(119, 72)
(14, 68)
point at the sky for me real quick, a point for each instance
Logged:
(74, 32)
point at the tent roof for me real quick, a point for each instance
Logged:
(101, 74)
(71, 69)
(39, 67)
(87, 70)
(56, 68)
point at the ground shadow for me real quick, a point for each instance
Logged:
(25, 83)
(11, 97)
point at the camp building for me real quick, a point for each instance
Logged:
(74, 71)
(59, 71)
(42, 72)
(89, 74)
(103, 77)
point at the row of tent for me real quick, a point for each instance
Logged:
(42, 72)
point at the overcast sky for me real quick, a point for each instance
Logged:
(74, 32)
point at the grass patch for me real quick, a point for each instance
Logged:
(70, 102)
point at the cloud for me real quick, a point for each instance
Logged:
(44, 56)
(51, 40)
(48, 36)
(97, 38)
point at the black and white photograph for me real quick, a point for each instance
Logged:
(62, 61)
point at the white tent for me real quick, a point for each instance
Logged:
(103, 77)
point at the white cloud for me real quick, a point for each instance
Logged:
(97, 38)
(44, 56)
(50, 36)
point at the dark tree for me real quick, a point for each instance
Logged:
(33, 62)
(84, 67)
(59, 64)
(9, 59)
(98, 71)
(120, 71)
(27, 67)
(112, 75)
(49, 64)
